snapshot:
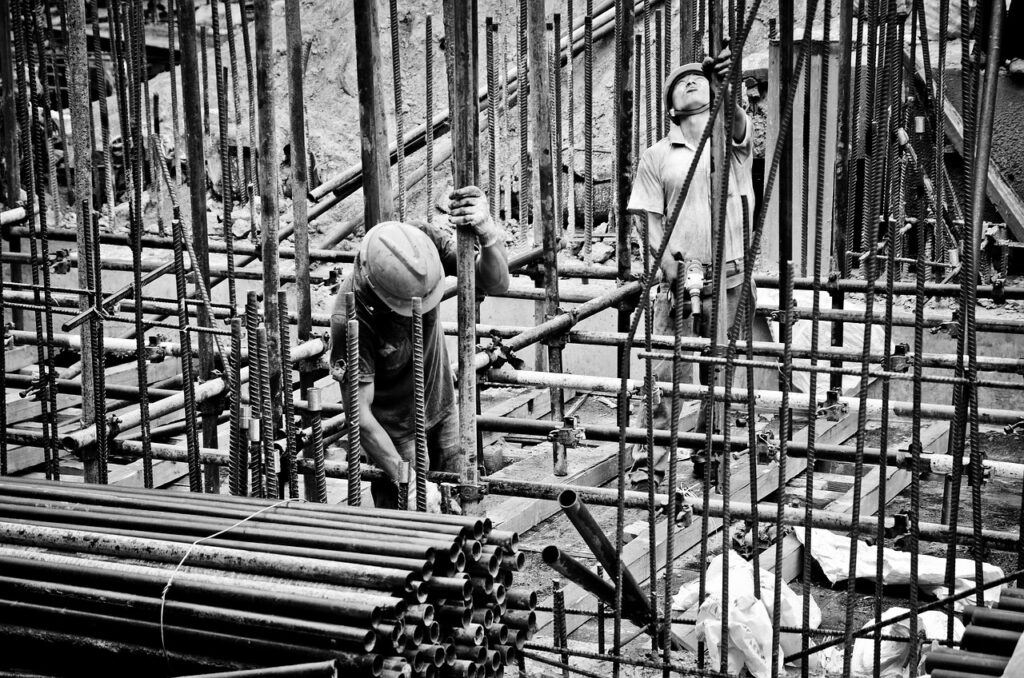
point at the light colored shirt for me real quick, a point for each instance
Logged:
(659, 178)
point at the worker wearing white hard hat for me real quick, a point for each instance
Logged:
(660, 175)
(397, 262)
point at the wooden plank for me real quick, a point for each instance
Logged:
(636, 554)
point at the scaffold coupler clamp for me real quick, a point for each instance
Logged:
(569, 435)
(767, 447)
(5, 334)
(950, 327)
(833, 409)
(1016, 428)
(684, 500)
(901, 360)
(899, 527)
(60, 262)
(156, 349)
(558, 339)
(500, 354)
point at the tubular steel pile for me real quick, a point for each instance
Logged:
(990, 643)
(142, 580)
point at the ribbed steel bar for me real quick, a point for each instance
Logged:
(523, 104)
(588, 126)
(428, 93)
(352, 405)
(27, 143)
(315, 449)
(419, 399)
(238, 450)
(288, 458)
(396, 83)
(227, 185)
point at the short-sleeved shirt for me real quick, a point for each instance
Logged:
(659, 178)
(385, 349)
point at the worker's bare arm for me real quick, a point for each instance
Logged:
(375, 440)
(469, 208)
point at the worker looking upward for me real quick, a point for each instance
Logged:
(397, 262)
(659, 178)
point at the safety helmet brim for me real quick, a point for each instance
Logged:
(677, 73)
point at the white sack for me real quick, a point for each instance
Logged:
(832, 553)
(750, 638)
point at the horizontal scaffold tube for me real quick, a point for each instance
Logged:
(167, 242)
(829, 520)
(763, 399)
(762, 348)
(158, 408)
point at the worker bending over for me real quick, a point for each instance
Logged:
(659, 178)
(397, 262)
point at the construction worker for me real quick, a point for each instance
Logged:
(397, 262)
(659, 178)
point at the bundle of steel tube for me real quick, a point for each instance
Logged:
(991, 641)
(210, 583)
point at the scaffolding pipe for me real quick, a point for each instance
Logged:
(763, 399)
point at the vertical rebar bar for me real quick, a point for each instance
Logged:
(257, 484)
(556, 97)
(419, 400)
(185, 340)
(523, 102)
(570, 192)
(648, 88)
(491, 29)
(267, 429)
(288, 459)
(659, 66)
(623, 167)
(869, 232)
(812, 410)
(251, 91)
(559, 619)
(316, 443)
(352, 410)
(238, 452)
(588, 126)
(172, 69)
(35, 215)
(205, 75)
(227, 190)
(428, 50)
(242, 162)
(396, 70)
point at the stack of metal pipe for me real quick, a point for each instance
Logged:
(990, 642)
(138, 578)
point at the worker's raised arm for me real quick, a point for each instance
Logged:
(469, 208)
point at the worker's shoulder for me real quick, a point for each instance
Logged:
(658, 150)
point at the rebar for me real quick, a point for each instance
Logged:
(352, 405)
(289, 465)
(396, 83)
(419, 400)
